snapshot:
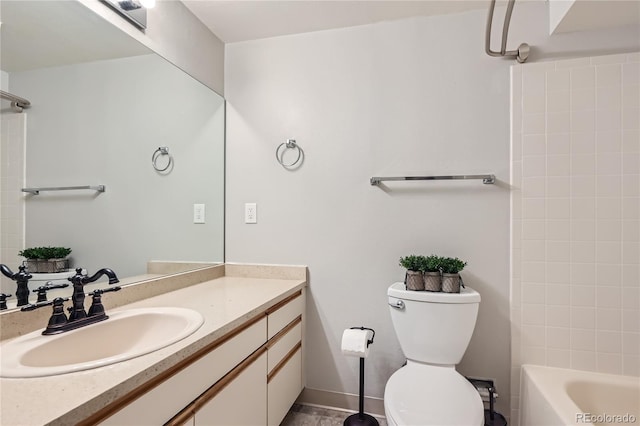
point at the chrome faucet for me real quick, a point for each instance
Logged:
(78, 317)
(21, 278)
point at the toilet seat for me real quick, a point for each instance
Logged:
(425, 395)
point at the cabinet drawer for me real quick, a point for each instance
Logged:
(163, 401)
(283, 344)
(283, 387)
(242, 402)
(283, 315)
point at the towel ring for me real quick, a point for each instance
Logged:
(289, 144)
(163, 150)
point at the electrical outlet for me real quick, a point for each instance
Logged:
(198, 213)
(250, 213)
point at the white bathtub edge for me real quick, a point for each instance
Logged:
(545, 396)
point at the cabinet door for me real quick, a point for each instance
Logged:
(285, 384)
(242, 402)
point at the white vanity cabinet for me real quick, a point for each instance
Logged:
(251, 376)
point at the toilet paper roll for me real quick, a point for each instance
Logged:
(354, 342)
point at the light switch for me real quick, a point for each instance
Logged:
(198, 213)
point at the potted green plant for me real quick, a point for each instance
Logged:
(46, 259)
(431, 272)
(413, 278)
(450, 274)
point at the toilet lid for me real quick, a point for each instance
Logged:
(466, 295)
(420, 395)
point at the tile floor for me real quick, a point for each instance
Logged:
(306, 415)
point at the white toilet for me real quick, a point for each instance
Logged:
(434, 330)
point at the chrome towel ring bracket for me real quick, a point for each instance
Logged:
(280, 152)
(159, 153)
(521, 53)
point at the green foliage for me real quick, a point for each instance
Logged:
(431, 264)
(412, 262)
(451, 265)
(45, 252)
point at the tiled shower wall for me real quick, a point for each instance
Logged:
(12, 151)
(575, 254)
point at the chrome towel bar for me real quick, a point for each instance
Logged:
(486, 179)
(36, 191)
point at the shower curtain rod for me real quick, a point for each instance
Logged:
(17, 103)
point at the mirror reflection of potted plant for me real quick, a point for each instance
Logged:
(431, 270)
(450, 274)
(413, 278)
(46, 259)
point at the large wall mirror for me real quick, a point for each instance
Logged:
(101, 106)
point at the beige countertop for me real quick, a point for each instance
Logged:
(226, 303)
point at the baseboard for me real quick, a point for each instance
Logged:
(342, 401)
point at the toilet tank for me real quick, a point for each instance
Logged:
(433, 327)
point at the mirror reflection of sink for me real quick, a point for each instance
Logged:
(126, 334)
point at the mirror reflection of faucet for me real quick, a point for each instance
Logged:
(3, 301)
(78, 317)
(42, 290)
(22, 280)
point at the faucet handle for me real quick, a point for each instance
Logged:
(96, 303)
(3, 301)
(42, 290)
(58, 317)
(99, 291)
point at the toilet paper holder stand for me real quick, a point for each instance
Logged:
(361, 418)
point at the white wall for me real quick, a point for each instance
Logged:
(4, 83)
(417, 96)
(176, 34)
(576, 255)
(100, 123)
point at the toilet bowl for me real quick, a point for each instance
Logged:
(434, 330)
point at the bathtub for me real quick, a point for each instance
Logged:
(555, 396)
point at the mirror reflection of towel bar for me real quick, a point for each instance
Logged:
(36, 191)
(17, 103)
(486, 179)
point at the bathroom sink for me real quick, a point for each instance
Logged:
(126, 334)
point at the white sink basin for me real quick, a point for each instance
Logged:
(125, 335)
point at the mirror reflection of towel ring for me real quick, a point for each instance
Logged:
(289, 144)
(163, 150)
